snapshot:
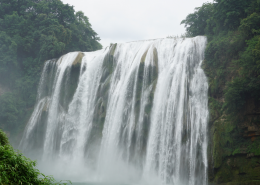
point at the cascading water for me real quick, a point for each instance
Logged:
(131, 113)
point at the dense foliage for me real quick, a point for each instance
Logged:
(32, 31)
(16, 169)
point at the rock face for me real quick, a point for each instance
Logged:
(234, 155)
(234, 147)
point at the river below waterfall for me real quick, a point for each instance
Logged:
(132, 113)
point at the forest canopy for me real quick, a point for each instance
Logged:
(31, 32)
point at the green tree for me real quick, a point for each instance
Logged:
(16, 169)
(196, 23)
(228, 14)
(31, 32)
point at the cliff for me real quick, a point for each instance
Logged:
(234, 146)
(233, 69)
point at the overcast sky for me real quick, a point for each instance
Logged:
(117, 21)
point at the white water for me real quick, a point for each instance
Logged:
(152, 98)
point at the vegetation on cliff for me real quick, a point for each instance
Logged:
(17, 169)
(32, 31)
(232, 64)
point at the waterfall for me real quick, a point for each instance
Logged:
(132, 113)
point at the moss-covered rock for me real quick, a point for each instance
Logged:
(234, 157)
(238, 169)
(70, 82)
(78, 60)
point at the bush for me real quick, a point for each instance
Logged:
(17, 169)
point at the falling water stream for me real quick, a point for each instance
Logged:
(132, 113)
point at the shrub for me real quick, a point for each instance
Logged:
(17, 169)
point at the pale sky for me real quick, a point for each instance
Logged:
(118, 21)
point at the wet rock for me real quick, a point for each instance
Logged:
(78, 60)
